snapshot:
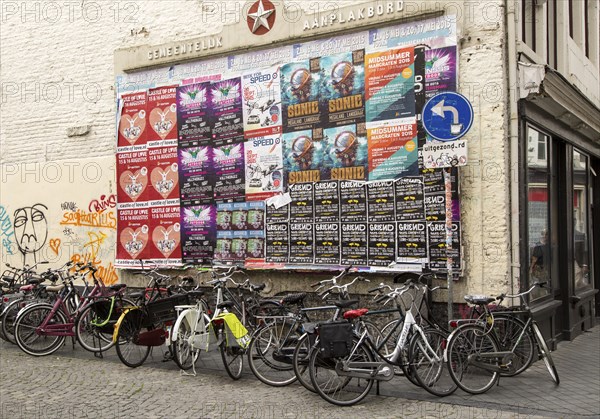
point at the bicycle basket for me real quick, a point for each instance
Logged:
(163, 310)
(8, 277)
(335, 339)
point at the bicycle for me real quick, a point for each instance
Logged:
(475, 358)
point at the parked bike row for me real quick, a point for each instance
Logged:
(336, 350)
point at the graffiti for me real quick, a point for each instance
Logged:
(108, 274)
(6, 231)
(98, 205)
(68, 231)
(55, 245)
(82, 218)
(68, 206)
(31, 231)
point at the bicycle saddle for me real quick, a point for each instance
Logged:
(136, 295)
(226, 304)
(257, 288)
(117, 287)
(479, 299)
(294, 298)
(34, 281)
(353, 314)
(345, 303)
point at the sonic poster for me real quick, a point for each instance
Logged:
(305, 156)
(264, 167)
(300, 95)
(342, 87)
(227, 115)
(193, 114)
(347, 152)
(261, 93)
(390, 85)
(198, 233)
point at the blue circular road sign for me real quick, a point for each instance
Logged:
(447, 116)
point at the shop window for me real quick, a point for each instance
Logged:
(581, 239)
(538, 210)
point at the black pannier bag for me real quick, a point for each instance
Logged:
(335, 339)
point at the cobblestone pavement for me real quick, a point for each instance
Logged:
(73, 384)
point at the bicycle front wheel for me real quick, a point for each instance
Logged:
(128, 350)
(341, 390)
(427, 363)
(29, 339)
(184, 355)
(508, 329)
(300, 361)
(8, 321)
(94, 326)
(233, 360)
(467, 364)
(545, 353)
(271, 351)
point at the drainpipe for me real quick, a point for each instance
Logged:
(513, 135)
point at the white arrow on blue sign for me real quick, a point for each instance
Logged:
(447, 116)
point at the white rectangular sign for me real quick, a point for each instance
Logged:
(445, 154)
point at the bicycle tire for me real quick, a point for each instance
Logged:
(429, 369)
(401, 368)
(508, 328)
(7, 329)
(336, 389)
(28, 320)
(271, 351)
(466, 342)
(97, 338)
(183, 354)
(233, 360)
(128, 351)
(545, 353)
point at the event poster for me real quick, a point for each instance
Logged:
(381, 201)
(264, 167)
(162, 116)
(255, 250)
(300, 88)
(437, 245)
(302, 205)
(228, 162)
(277, 215)
(194, 104)
(132, 122)
(196, 174)
(165, 234)
(327, 243)
(305, 157)
(382, 244)
(277, 243)
(132, 169)
(239, 216)
(353, 201)
(239, 244)
(327, 201)
(347, 152)
(224, 216)
(410, 199)
(393, 151)
(256, 215)
(302, 250)
(163, 170)
(354, 244)
(198, 233)
(412, 242)
(134, 235)
(440, 71)
(224, 246)
(261, 94)
(227, 115)
(390, 85)
(342, 87)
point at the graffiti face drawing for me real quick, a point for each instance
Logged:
(31, 230)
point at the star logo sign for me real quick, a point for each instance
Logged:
(261, 17)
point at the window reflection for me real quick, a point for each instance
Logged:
(539, 244)
(580, 220)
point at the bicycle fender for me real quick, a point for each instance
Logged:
(50, 306)
(119, 321)
(177, 325)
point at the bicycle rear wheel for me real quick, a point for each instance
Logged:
(183, 354)
(545, 353)
(508, 329)
(300, 361)
(337, 389)
(427, 363)
(26, 335)
(402, 367)
(128, 350)
(94, 328)
(465, 364)
(8, 320)
(271, 351)
(233, 359)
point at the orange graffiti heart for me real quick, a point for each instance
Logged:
(164, 180)
(55, 245)
(133, 184)
(166, 239)
(131, 126)
(164, 120)
(134, 241)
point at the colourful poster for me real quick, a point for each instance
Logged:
(132, 172)
(193, 114)
(342, 88)
(440, 71)
(132, 122)
(264, 167)
(224, 216)
(227, 114)
(239, 217)
(163, 169)
(162, 116)
(300, 85)
(165, 235)
(262, 103)
(196, 174)
(198, 233)
(390, 85)
(133, 237)
(223, 246)
(393, 151)
(229, 172)
(256, 215)
(347, 153)
(435, 32)
(305, 156)
(255, 250)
